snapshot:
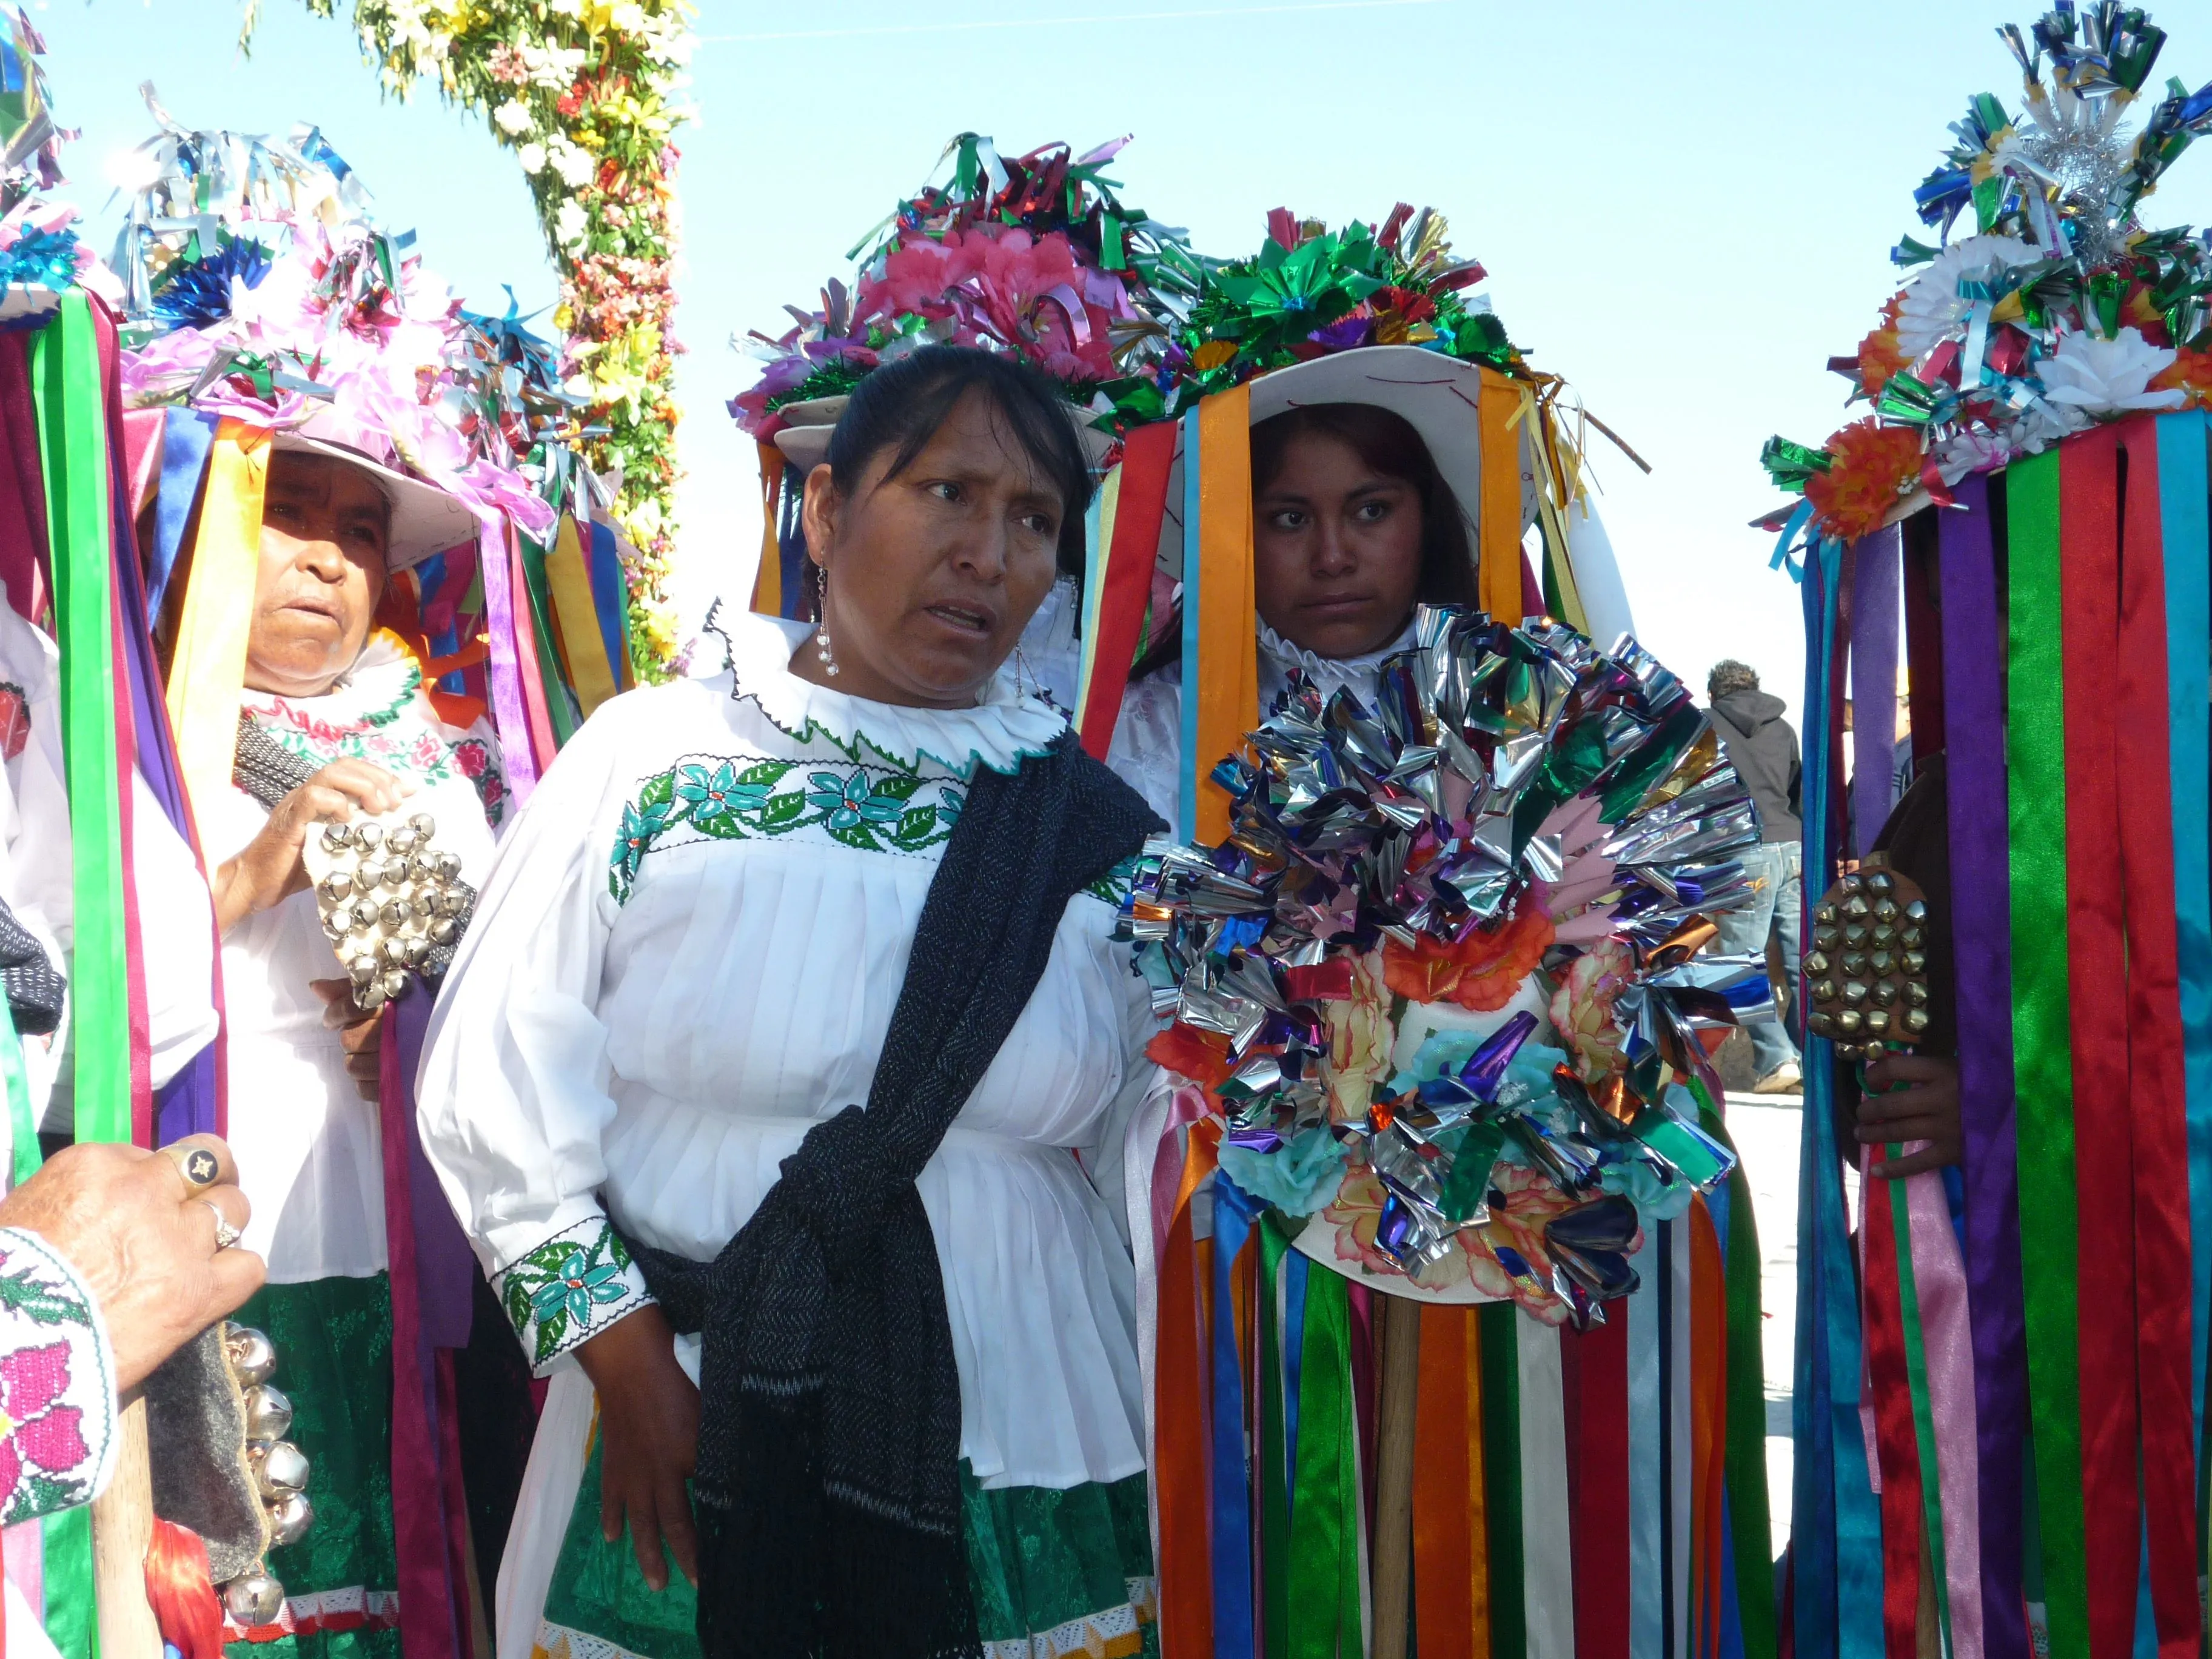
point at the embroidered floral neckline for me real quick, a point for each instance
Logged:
(375, 691)
(1008, 726)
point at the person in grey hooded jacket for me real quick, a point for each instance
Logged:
(1762, 747)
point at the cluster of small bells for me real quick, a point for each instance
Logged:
(1868, 967)
(388, 902)
(280, 1474)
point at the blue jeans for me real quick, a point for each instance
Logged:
(1778, 906)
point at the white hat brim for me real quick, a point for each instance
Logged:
(425, 520)
(1435, 394)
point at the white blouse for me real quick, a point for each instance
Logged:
(1147, 745)
(309, 1150)
(688, 953)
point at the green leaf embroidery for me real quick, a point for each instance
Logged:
(858, 835)
(41, 1303)
(783, 811)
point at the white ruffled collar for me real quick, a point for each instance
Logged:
(1278, 657)
(1006, 727)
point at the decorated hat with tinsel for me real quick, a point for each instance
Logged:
(1035, 256)
(2044, 305)
(1378, 315)
(260, 290)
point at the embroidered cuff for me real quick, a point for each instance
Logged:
(57, 1383)
(573, 1286)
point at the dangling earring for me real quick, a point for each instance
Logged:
(822, 620)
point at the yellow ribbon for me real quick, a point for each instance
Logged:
(1225, 679)
(207, 671)
(585, 647)
(1498, 586)
(768, 581)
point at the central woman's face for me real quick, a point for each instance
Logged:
(1336, 549)
(933, 573)
(323, 526)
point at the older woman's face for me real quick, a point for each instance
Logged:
(933, 573)
(324, 526)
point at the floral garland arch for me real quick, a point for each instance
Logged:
(586, 93)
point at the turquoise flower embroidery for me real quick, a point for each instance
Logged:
(576, 1288)
(849, 801)
(640, 825)
(717, 795)
(553, 1295)
(950, 801)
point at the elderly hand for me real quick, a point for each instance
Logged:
(1925, 1109)
(649, 1414)
(268, 870)
(143, 1239)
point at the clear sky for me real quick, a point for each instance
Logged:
(1685, 210)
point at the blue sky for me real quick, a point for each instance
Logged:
(1685, 210)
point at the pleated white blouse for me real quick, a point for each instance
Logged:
(687, 953)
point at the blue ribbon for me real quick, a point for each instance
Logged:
(1235, 1212)
(609, 599)
(185, 438)
(1293, 1346)
(1835, 1521)
(1192, 768)
(1792, 528)
(2184, 486)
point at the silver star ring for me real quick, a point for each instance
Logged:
(225, 1234)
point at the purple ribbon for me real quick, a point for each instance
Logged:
(1981, 932)
(1874, 684)
(190, 1103)
(508, 715)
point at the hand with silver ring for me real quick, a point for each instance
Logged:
(225, 1234)
(128, 1222)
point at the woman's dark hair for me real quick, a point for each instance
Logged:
(901, 405)
(1388, 443)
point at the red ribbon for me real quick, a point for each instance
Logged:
(2155, 1088)
(2089, 582)
(1595, 1373)
(1147, 459)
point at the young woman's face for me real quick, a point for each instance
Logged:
(1336, 549)
(932, 574)
(324, 528)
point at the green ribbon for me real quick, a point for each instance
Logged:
(1323, 1593)
(71, 1621)
(22, 1127)
(2043, 1062)
(1496, 1326)
(560, 706)
(1744, 1454)
(65, 385)
(1275, 1487)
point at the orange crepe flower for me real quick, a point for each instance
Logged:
(2189, 372)
(1481, 973)
(1879, 356)
(1873, 465)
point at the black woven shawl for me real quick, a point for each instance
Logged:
(828, 1488)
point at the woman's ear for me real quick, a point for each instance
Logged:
(819, 515)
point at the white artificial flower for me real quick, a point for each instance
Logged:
(627, 17)
(575, 165)
(512, 118)
(533, 157)
(2098, 376)
(1932, 307)
(569, 224)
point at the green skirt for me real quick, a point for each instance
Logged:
(333, 1340)
(1053, 1573)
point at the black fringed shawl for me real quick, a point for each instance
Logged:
(828, 1486)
